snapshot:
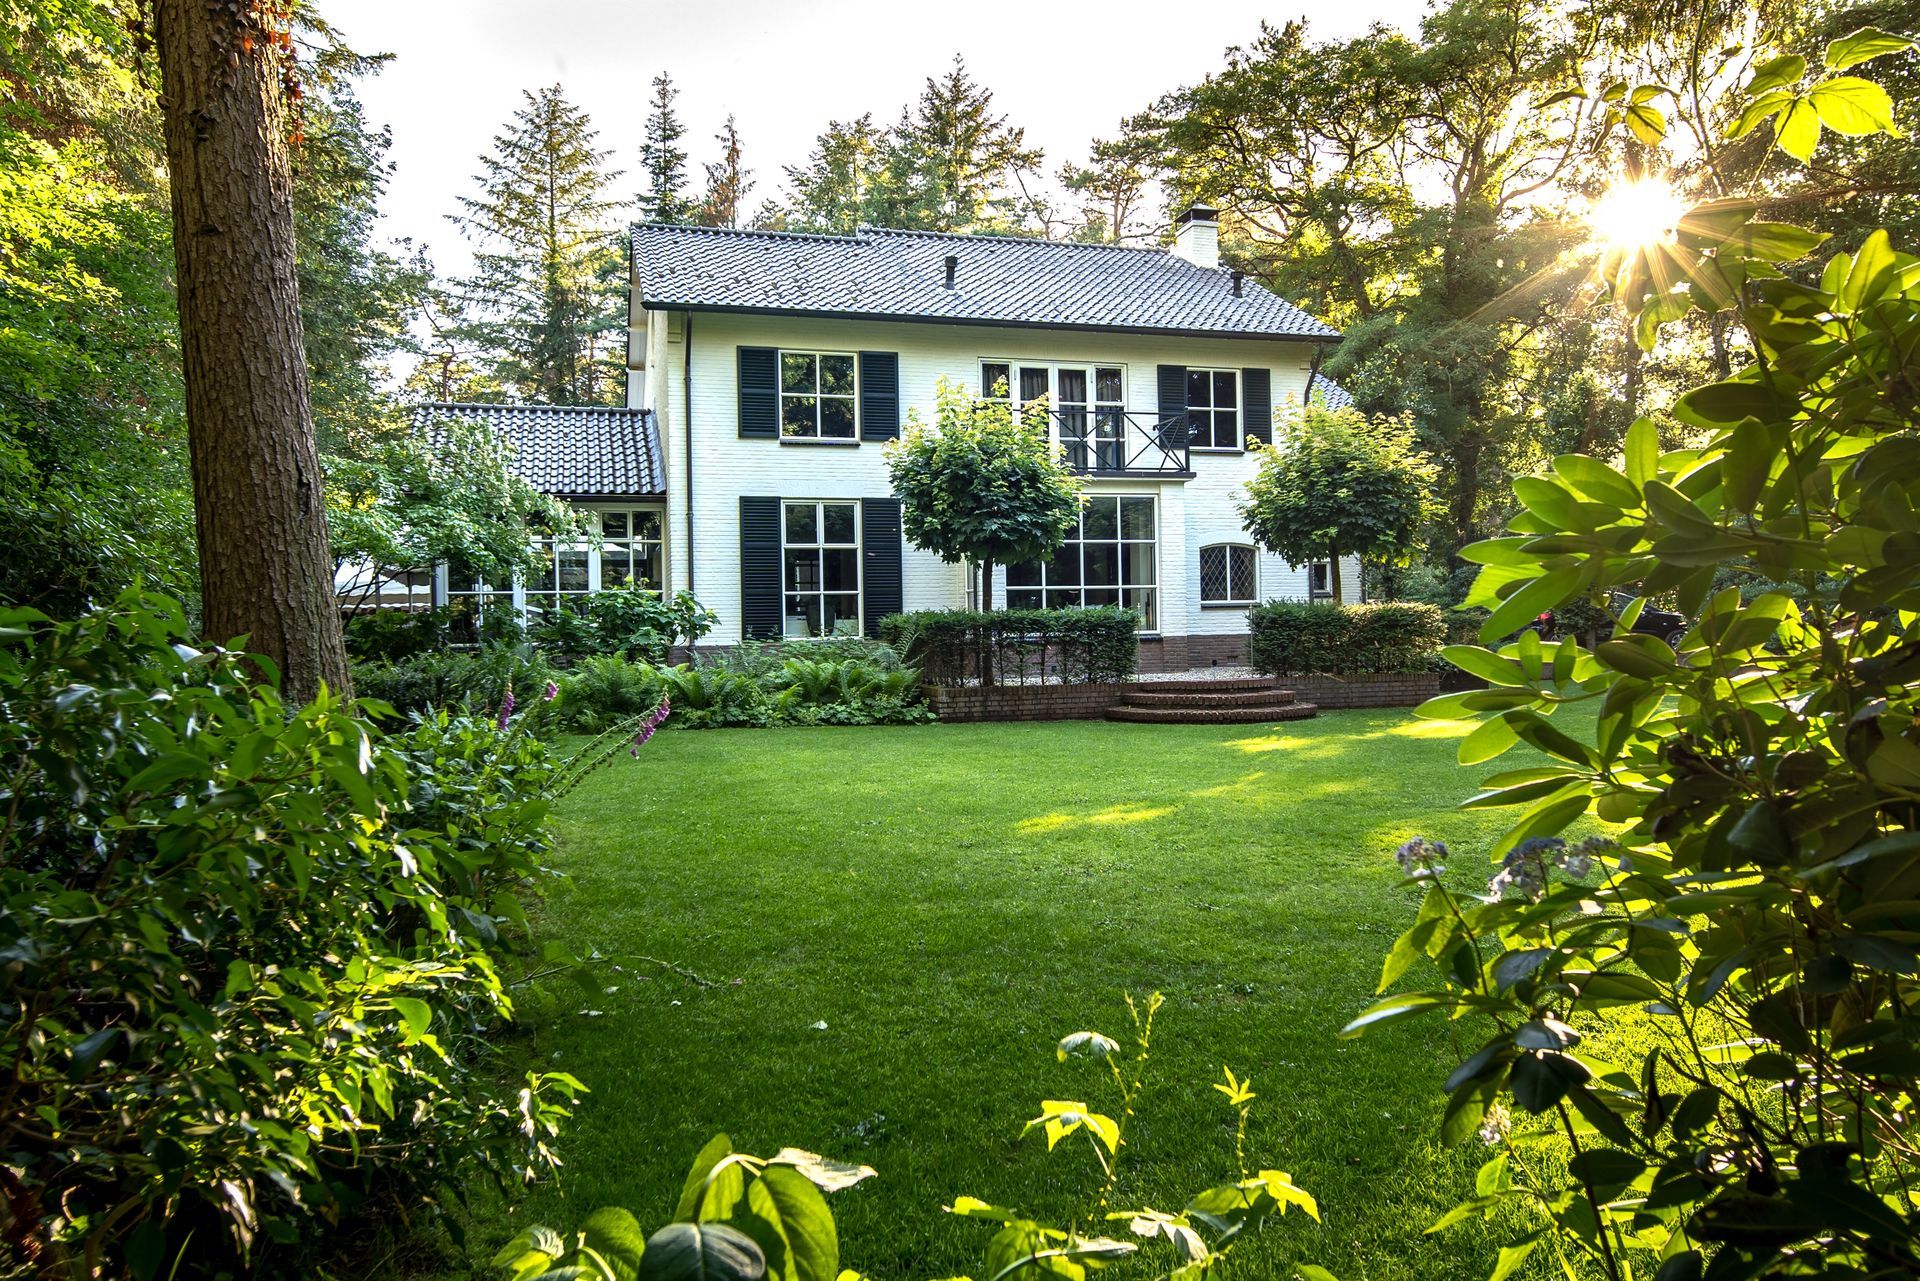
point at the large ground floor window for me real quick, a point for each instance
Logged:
(1109, 559)
(622, 547)
(820, 568)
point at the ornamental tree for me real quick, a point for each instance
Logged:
(1336, 483)
(410, 502)
(983, 484)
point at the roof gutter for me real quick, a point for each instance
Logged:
(810, 313)
(686, 417)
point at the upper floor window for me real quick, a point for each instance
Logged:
(1213, 408)
(817, 395)
(1228, 574)
(1088, 404)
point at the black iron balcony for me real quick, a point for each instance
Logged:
(1104, 441)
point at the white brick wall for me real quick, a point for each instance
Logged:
(724, 467)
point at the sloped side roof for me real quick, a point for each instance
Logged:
(998, 280)
(570, 451)
(1332, 393)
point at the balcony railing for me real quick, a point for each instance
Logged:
(1102, 441)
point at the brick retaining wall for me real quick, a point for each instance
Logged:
(1090, 702)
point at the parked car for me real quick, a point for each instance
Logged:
(1664, 623)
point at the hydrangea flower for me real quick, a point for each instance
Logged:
(1578, 858)
(1421, 857)
(1524, 870)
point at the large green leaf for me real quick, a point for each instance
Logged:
(616, 1239)
(1859, 46)
(701, 1252)
(1546, 592)
(1853, 106)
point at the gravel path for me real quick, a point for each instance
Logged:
(1201, 674)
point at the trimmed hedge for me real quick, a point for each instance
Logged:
(1290, 638)
(1018, 646)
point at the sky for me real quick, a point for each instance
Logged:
(1066, 72)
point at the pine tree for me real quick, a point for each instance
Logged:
(663, 160)
(545, 291)
(959, 164)
(728, 182)
(831, 192)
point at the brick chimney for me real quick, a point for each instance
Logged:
(1196, 236)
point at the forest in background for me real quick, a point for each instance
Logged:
(1426, 192)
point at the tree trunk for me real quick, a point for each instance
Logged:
(265, 568)
(1333, 577)
(986, 607)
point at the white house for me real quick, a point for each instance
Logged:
(767, 370)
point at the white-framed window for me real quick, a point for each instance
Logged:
(1108, 559)
(1089, 404)
(820, 568)
(627, 549)
(1320, 580)
(632, 549)
(818, 391)
(1213, 408)
(1229, 574)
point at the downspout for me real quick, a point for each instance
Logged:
(686, 417)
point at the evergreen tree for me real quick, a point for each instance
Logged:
(949, 164)
(663, 160)
(728, 182)
(833, 190)
(958, 164)
(545, 290)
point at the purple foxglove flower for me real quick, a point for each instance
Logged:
(506, 708)
(553, 691)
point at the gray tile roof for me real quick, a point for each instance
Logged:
(570, 451)
(1000, 280)
(1331, 393)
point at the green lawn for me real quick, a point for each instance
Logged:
(948, 900)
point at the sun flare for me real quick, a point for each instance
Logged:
(1636, 214)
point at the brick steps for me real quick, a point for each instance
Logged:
(1251, 701)
(1262, 715)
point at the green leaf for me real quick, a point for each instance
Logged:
(718, 1149)
(1747, 464)
(782, 1195)
(701, 1252)
(1797, 132)
(1642, 451)
(616, 1237)
(170, 768)
(1530, 601)
(1485, 664)
(1773, 241)
(1778, 73)
(1852, 106)
(1647, 123)
(1597, 480)
(1488, 740)
(1511, 1257)
(417, 1014)
(1867, 42)
(1725, 403)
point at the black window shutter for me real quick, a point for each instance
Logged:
(760, 392)
(1173, 404)
(760, 613)
(881, 576)
(1256, 388)
(879, 395)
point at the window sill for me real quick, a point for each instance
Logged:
(1214, 449)
(831, 442)
(1226, 604)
